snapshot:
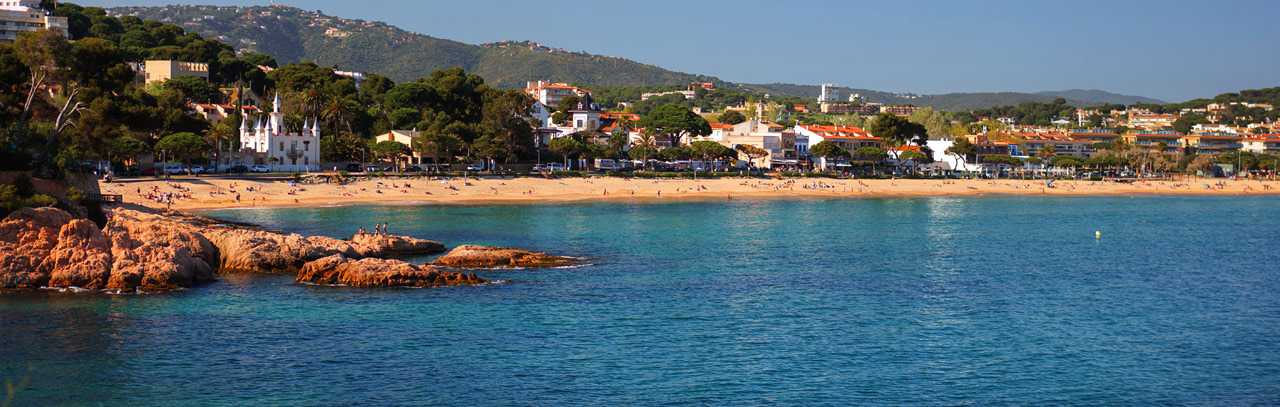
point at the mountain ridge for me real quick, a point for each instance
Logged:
(291, 34)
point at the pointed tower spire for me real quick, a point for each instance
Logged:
(244, 123)
(304, 125)
(276, 104)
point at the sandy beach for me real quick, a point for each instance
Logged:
(210, 192)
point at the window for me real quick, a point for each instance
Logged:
(282, 145)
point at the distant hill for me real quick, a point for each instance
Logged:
(1094, 95)
(948, 101)
(294, 35)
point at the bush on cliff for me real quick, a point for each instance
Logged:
(11, 199)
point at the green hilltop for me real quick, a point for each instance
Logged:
(294, 35)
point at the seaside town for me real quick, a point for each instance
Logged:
(887, 203)
(110, 109)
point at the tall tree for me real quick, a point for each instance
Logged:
(184, 145)
(43, 52)
(505, 117)
(962, 149)
(752, 152)
(676, 122)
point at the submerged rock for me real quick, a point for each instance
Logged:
(473, 256)
(370, 272)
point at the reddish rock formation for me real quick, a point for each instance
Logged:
(370, 272)
(27, 236)
(82, 257)
(389, 244)
(472, 256)
(140, 263)
(166, 230)
(44, 247)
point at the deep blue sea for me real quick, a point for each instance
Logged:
(929, 301)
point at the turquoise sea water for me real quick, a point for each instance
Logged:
(934, 301)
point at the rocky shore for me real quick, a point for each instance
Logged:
(144, 250)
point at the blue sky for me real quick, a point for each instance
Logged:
(1171, 50)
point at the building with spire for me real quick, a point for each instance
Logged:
(270, 143)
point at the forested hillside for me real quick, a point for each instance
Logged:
(295, 35)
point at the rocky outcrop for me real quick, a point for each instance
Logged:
(392, 245)
(168, 231)
(370, 272)
(27, 237)
(472, 256)
(82, 257)
(45, 247)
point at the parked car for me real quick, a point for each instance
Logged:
(413, 168)
(200, 169)
(354, 168)
(237, 169)
(475, 167)
(148, 172)
(175, 170)
(259, 168)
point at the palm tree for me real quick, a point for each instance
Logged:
(337, 111)
(311, 102)
(216, 134)
(648, 142)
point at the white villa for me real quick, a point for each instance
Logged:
(291, 151)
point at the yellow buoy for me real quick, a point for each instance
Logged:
(1097, 234)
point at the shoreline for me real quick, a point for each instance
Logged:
(202, 193)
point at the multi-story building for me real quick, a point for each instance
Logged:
(1152, 120)
(18, 16)
(1062, 144)
(1094, 135)
(1213, 143)
(1264, 144)
(904, 110)
(832, 93)
(163, 70)
(216, 112)
(1150, 140)
(847, 137)
(550, 94)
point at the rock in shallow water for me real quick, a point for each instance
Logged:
(473, 256)
(370, 272)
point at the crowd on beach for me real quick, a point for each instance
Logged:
(213, 193)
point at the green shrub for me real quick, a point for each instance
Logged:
(25, 187)
(343, 174)
(577, 174)
(296, 176)
(39, 200)
(76, 195)
(10, 200)
(380, 174)
(422, 173)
